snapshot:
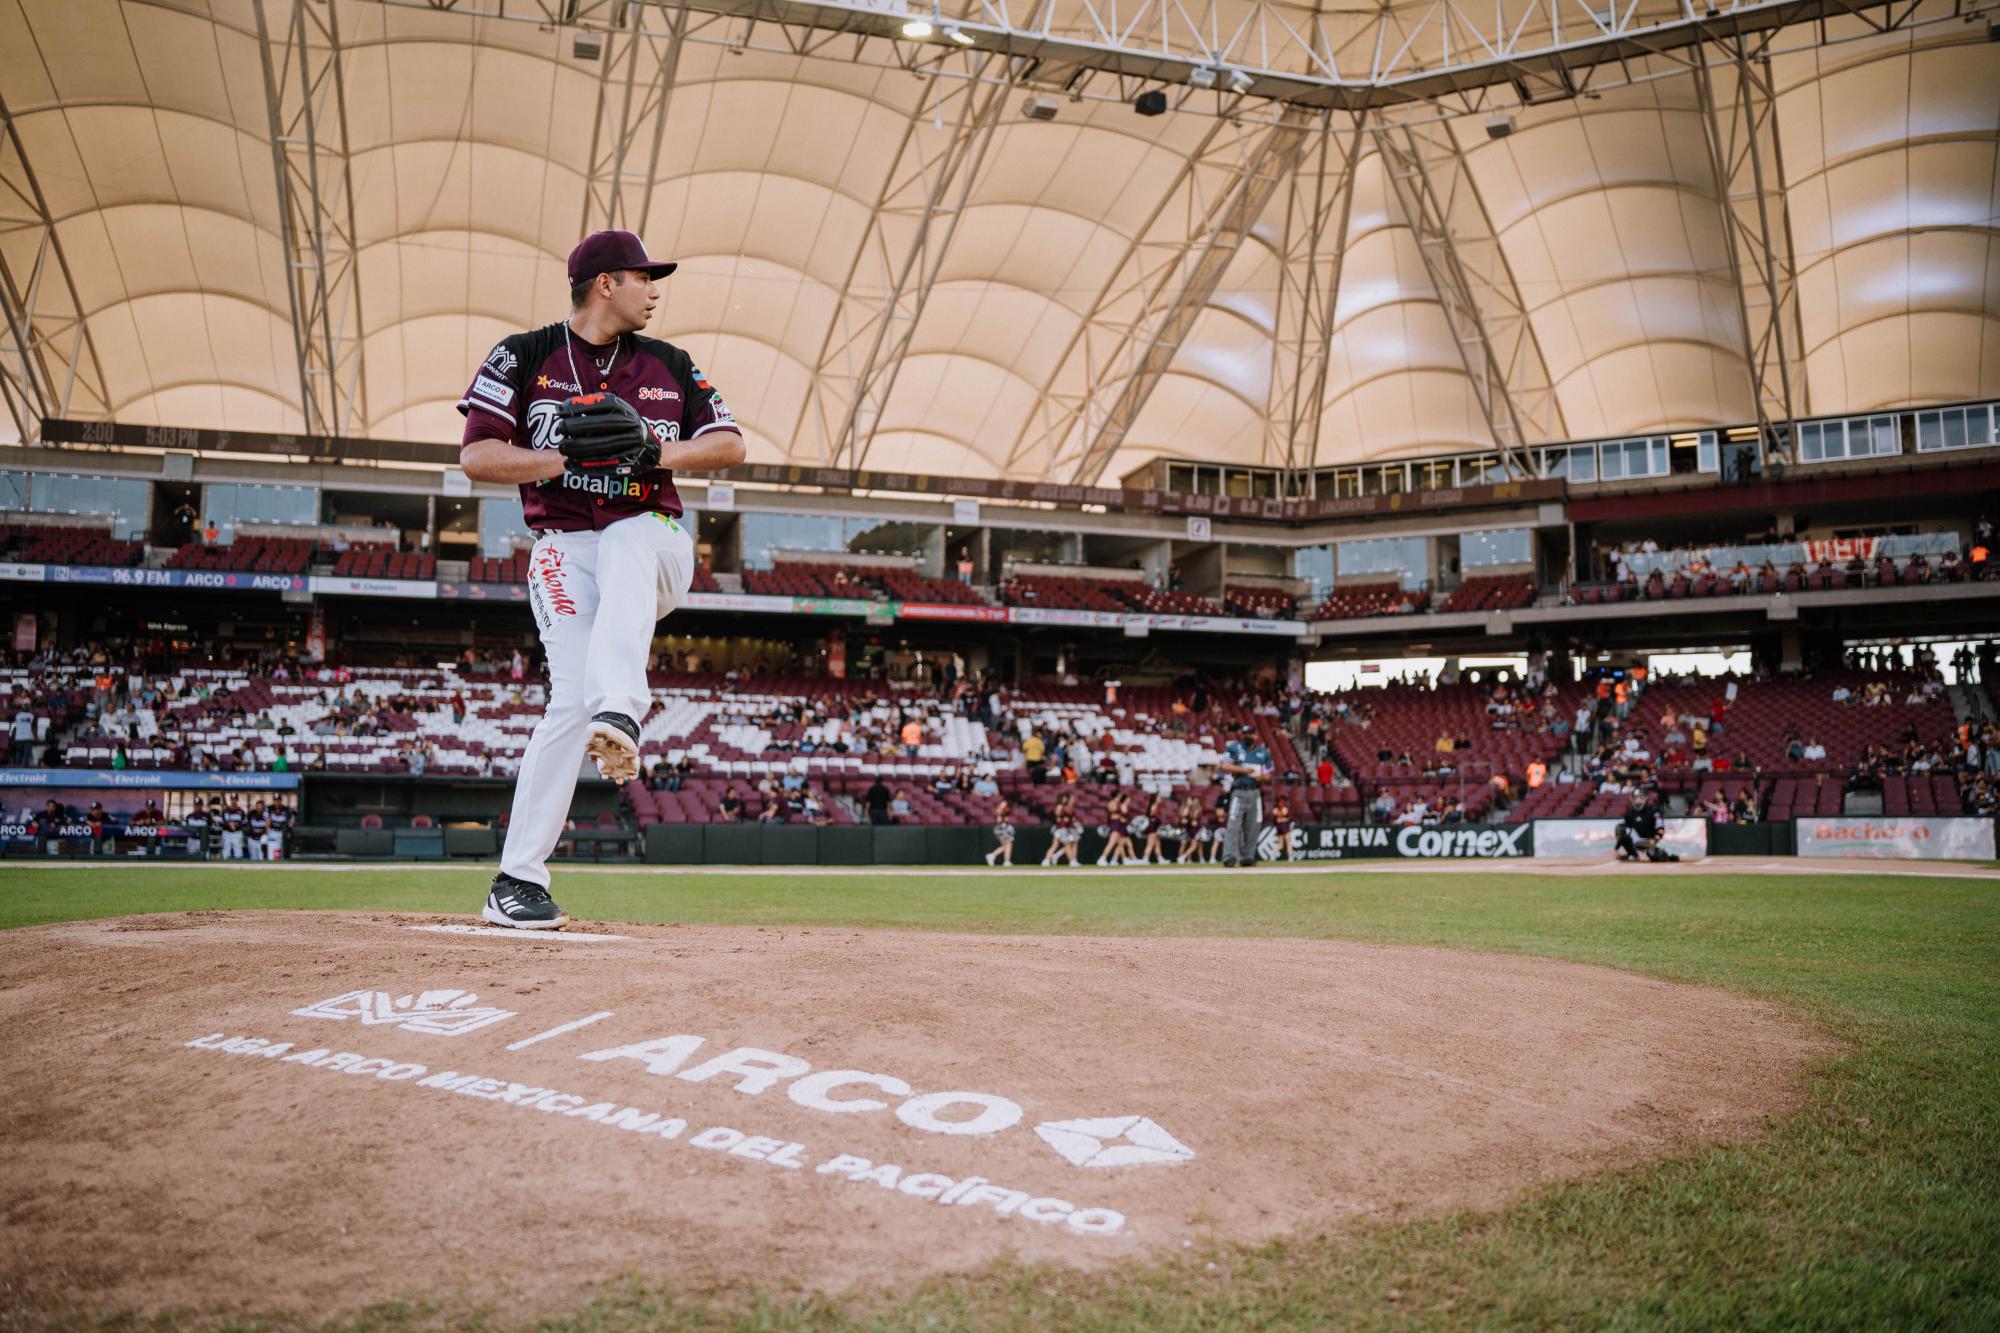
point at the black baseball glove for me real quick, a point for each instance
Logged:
(600, 435)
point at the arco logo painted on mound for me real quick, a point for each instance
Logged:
(1092, 1142)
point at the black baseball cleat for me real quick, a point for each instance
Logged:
(614, 745)
(524, 905)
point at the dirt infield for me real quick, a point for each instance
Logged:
(310, 1112)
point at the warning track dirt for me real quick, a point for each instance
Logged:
(309, 1112)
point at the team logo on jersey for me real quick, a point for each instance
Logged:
(666, 432)
(701, 380)
(652, 395)
(721, 409)
(502, 361)
(542, 423)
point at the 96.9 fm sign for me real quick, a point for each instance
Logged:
(1348, 842)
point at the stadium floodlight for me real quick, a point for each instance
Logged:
(1201, 76)
(957, 34)
(1499, 127)
(917, 28)
(1239, 82)
(587, 46)
(1040, 108)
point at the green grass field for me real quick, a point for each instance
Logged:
(1877, 1205)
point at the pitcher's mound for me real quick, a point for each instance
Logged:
(310, 1112)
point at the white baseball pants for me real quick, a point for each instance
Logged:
(596, 597)
(233, 847)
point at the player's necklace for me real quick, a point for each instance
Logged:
(603, 368)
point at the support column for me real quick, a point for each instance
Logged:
(1318, 205)
(1739, 104)
(306, 106)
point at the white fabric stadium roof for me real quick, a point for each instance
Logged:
(146, 127)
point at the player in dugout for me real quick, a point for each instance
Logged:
(591, 420)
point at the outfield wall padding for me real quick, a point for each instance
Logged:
(789, 845)
(480, 842)
(847, 845)
(900, 845)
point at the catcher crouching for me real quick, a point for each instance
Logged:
(592, 421)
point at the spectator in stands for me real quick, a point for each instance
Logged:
(22, 752)
(899, 807)
(775, 801)
(730, 808)
(965, 577)
(814, 808)
(1814, 752)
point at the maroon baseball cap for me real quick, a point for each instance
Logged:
(610, 251)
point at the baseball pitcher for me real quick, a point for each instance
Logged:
(591, 420)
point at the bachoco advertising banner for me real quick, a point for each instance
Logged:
(1597, 839)
(1899, 837)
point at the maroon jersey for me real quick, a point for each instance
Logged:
(518, 388)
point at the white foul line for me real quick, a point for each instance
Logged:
(557, 1032)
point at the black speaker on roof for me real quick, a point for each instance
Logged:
(1150, 103)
